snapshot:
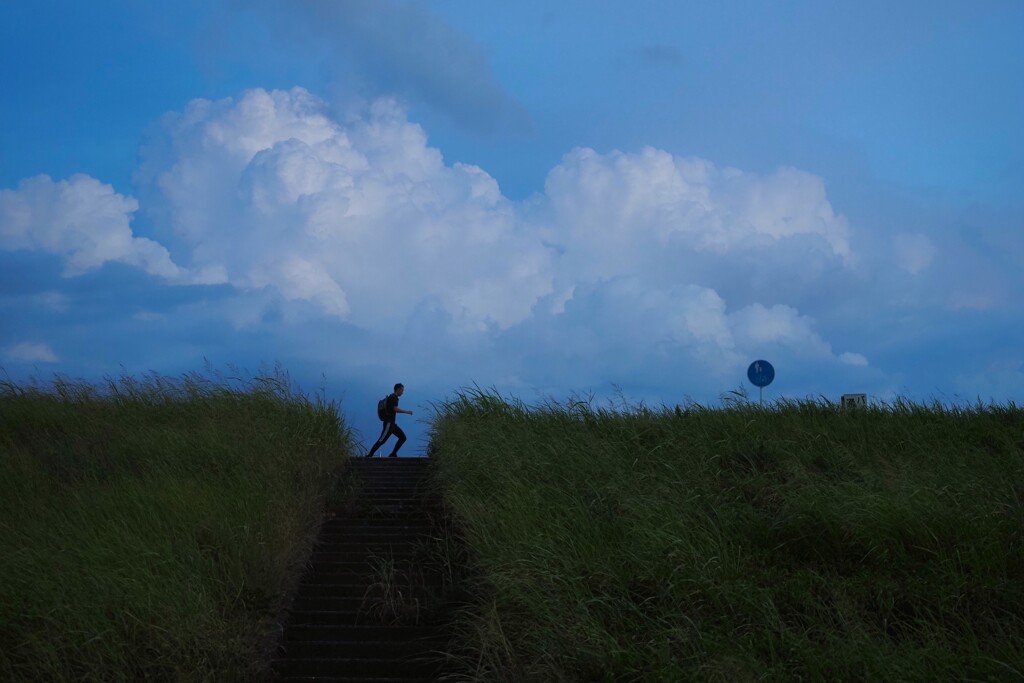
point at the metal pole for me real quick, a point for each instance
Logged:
(760, 396)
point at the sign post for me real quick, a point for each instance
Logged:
(854, 401)
(760, 373)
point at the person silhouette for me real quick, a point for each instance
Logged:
(390, 427)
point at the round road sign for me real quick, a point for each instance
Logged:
(760, 373)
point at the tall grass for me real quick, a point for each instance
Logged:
(797, 541)
(150, 528)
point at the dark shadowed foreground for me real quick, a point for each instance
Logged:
(372, 606)
(152, 529)
(797, 541)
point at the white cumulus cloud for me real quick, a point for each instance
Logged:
(364, 218)
(627, 325)
(623, 255)
(621, 211)
(757, 326)
(83, 221)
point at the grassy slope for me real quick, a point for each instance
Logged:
(149, 529)
(731, 544)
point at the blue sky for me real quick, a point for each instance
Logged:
(548, 198)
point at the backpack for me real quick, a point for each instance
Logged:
(382, 409)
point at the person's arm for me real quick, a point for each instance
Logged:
(399, 410)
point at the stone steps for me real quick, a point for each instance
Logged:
(369, 607)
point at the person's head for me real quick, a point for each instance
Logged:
(399, 389)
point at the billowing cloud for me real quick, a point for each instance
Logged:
(628, 322)
(360, 222)
(83, 221)
(80, 219)
(759, 326)
(628, 206)
(29, 352)
(364, 219)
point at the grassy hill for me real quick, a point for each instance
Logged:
(153, 528)
(791, 542)
(149, 529)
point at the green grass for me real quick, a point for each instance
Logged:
(792, 542)
(150, 529)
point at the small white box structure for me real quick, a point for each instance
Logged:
(854, 401)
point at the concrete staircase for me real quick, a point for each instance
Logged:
(371, 607)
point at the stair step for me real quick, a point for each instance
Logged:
(367, 615)
(391, 474)
(335, 573)
(348, 521)
(338, 573)
(365, 602)
(409, 477)
(378, 529)
(353, 679)
(365, 648)
(419, 488)
(348, 544)
(354, 601)
(383, 532)
(331, 590)
(370, 565)
(400, 493)
(392, 500)
(364, 555)
(419, 505)
(339, 537)
(394, 514)
(392, 478)
(352, 666)
(399, 513)
(312, 589)
(344, 632)
(409, 460)
(336, 536)
(397, 493)
(378, 460)
(382, 527)
(330, 618)
(362, 546)
(389, 466)
(409, 493)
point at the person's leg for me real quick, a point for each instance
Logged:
(385, 432)
(397, 431)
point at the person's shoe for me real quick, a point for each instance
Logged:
(393, 455)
